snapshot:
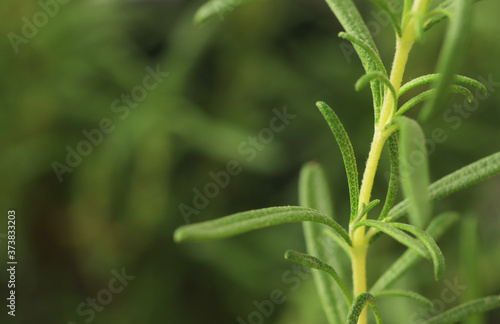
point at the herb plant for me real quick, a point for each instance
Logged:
(408, 166)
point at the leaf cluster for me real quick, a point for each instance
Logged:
(408, 169)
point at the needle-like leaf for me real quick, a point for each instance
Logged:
(384, 5)
(348, 15)
(368, 50)
(369, 207)
(315, 263)
(347, 154)
(314, 193)
(470, 263)
(438, 226)
(402, 293)
(419, 24)
(337, 239)
(462, 311)
(429, 243)
(396, 234)
(438, 14)
(254, 219)
(425, 79)
(313, 189)
(449, 59)
(392, 191)
(414, 170)
(428, 94)
(434, 17)
(359, 304)
(458, 180)
(364, 210)
(217, 8)
(369, 77)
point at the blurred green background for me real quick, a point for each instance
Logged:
(84, 66)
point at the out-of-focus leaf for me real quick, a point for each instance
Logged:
(469, 263)
(406, 294)
(449, 57)
(392, 191)
(458, 313)
(414, 170)
(314, 193)
(458, 180)
(217, 8)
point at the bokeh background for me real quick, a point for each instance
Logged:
(118, 207)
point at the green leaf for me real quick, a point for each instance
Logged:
(254, 219)
(347, 154)
(414, 170)
(348, 15)
(437, 15)
(428, 94)
(392, 191)
(369, 77)
(337, 239)
(440, 13)
(462, 311)
(313, 189)
(365, 209)
(376, 75)
(425, 79)
(448, 61)
(407, 294)
(469, 262)
(458, 180)
(369, 207)
(430, 244)
(434, 17)
(368, 50)
(314, 193)
(219, 8)
(438, 226)
(382, 4)
(396, 234)
(419, 24)
(407, 7)
(359, 304)
(315, 263)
